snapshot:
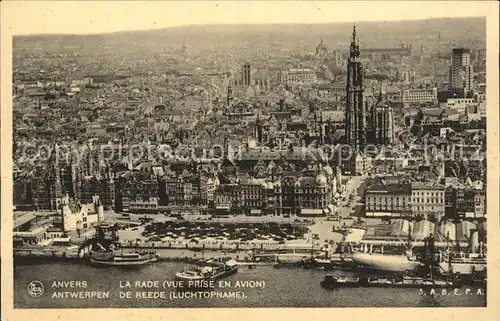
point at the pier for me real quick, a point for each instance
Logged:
(40, 255)
(165, 255)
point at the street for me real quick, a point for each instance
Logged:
(324, 228)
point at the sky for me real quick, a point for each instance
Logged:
(88, 17)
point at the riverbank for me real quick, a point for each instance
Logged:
(165, 255)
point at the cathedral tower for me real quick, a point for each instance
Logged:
(355, 120)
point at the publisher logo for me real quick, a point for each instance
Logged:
(35, 289)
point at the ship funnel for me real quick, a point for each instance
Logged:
(474, 241)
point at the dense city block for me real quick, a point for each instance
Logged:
(363, 146)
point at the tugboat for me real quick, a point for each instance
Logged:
(332, 282)
(115, 258)
(317, 264)
(200, 276)
(328, 264)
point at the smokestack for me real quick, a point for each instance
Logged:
(474, 241)
(100, 212)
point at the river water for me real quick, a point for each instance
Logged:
(282, 287)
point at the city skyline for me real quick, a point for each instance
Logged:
(109, 17)
(252, 154)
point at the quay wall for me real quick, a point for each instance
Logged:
(216, 247)
(49, 253)
(165, 254)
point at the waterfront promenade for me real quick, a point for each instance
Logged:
(321, 233)
(321, 227)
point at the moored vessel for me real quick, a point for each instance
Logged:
(332, 282)
(387, 257)
(327, 264)
(200, 276)
(386, 262)
(123, 259)
(462, 263)
(465, 262)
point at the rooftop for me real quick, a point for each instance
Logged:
(390, 188)
(427, 185)
(23, 218)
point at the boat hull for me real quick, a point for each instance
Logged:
(200, 283)
(393, 263)
(462, 268)
(327, 265)
(333, 285)
(121, 264)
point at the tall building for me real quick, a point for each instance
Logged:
(355, 120)
(246, 74)
(249, 82)
(380, 123)
(339, 62)
(417, 95)
(461, 71)
(428, 200)
(184, 49)
(384, 125)
(297, 76)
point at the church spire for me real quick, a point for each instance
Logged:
(229, 94)
(354, 51)
(355, 107)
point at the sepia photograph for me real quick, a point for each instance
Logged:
(223, 155)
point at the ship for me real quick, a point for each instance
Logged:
(200, 275)
(466, 263)
(317, 263)
(386, 262)
(462, 263)
(328, 264)
(333, 282)
(289, 260)
(115, 258)
(388, 258)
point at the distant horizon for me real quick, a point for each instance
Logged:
(37, 18)
(245, 24)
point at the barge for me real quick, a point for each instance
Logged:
(333, 282)
(201, 276)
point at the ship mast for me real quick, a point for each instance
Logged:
(409, 238)
(312, 244)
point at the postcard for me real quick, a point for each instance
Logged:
(213, 160)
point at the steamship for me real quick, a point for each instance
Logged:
(394, 262)
(130, 259)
